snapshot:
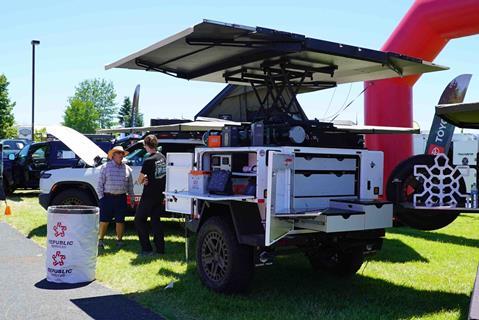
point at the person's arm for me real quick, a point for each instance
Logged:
(101, 182)
(131, 192)
(130, 183)
(142, 177)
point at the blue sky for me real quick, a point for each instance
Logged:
(79, 37)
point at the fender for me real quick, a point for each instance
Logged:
(245, 217)
(60, 186)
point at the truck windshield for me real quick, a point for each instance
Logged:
(136, 157)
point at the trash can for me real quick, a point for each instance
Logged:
(72, 243)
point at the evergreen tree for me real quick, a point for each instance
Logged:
(125, 112)
(124, 115)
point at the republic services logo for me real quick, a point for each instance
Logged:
(58, 258)
(59, 230)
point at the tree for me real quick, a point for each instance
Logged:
(101, 94)
(41, 134)
(81, 116)
(124, 115)
(7, 120)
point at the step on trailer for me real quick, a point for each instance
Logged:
(292, 182)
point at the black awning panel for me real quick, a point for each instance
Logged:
(462, 115)
(210, 50)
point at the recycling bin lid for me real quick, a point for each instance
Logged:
(73, 209)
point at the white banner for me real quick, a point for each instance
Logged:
(72, 247)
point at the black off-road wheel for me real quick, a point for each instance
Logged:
(336, 261)
(223, 264)
(404, 189)
(73, 197)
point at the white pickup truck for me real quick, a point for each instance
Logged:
(78, 185)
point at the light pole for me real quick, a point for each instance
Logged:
(34, 43)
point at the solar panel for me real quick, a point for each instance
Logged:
(220, 52)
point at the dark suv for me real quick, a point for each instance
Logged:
(23, 169)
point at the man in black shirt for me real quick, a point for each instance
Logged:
(152, 176)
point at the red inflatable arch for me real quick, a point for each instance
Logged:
(423, 32)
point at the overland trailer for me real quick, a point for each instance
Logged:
(290, 182)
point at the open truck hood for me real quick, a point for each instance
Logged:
(218, 52)
(83, 147)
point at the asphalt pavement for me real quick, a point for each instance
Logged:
(25, 294)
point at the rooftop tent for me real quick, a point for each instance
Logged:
(220, 52)
(240, 103)
(462, 115)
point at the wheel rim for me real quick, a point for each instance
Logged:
(214, 256)
(72, 201)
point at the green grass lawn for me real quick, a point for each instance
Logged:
(417, 275)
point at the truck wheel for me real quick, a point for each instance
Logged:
(223, 264)
(73, 197)
(337, 262)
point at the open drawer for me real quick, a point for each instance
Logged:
(378, 214)
(333, 220)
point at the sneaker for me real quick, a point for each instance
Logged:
(101, 244)
(119, 243)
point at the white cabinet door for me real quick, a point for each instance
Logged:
(178, 166)
(280, 195)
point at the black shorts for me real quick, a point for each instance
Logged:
(113, 208)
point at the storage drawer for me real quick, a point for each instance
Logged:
(320, 163)
(378, 215)
(307, 203)
(342, 222)
(329, 184)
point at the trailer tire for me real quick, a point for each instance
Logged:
(223, 264)
(418, 219)
(336, 261)
(72, 197)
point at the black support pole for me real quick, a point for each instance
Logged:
(34, 43)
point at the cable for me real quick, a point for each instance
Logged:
(330, 101)
(351, 102)
(339, 110)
